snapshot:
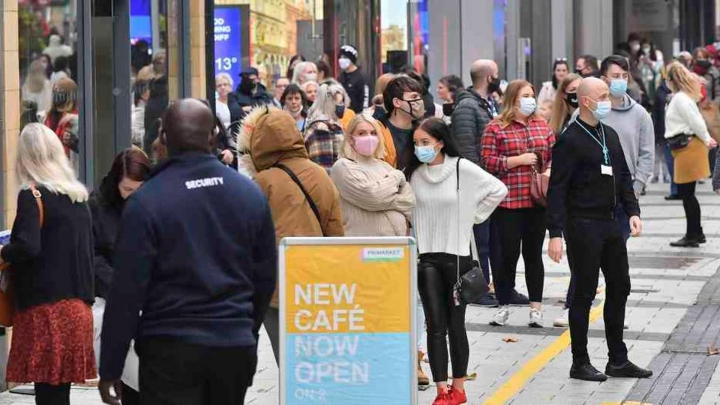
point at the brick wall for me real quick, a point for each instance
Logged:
(11, 106)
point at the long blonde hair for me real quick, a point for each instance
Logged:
(324, 106)
(41, 160)
(681, 79)
(512, 93)
(561, 109)
(349, 151)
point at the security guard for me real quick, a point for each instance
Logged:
(589, 178)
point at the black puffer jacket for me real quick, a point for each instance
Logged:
(106, 207)
(239, 100)
(472, 113)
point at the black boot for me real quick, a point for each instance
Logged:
(701, 237)
(686, 242)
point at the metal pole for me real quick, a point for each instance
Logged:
(121, 74)
(85, 85)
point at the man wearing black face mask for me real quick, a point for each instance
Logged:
(250, 93)
(404, 105)
(587, 66)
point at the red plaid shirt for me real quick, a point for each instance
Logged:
(502, 142)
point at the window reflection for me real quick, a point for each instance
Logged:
(47, 43)
(149, 57)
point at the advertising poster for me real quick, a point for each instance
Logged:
(228, 41)
(347, 314)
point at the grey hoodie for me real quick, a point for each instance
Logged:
(637, 137)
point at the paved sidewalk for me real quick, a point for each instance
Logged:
(671, 312)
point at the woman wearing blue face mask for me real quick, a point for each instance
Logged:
(515, 144)
(451, 195)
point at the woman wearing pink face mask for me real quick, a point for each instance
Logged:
(376, 199)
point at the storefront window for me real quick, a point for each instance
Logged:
(405, 33)
(48, 69)
(154, 67)
(278, 30)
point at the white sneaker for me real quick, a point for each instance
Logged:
(536, 317)
(563, 321)
(501, 316)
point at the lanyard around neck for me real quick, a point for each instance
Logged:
(603, 144)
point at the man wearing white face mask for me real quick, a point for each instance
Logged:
(353, 79)
(636, 131)
(633, 125)
(589, 179)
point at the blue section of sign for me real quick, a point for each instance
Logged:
(228, 41)
(348, 369)
(140, 21)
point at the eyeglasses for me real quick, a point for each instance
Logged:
(560, 59)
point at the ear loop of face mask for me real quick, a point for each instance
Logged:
(410, 104)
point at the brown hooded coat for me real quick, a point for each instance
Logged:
(270, 136)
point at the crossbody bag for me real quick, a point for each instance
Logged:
(471, 286)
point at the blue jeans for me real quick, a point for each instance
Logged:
(623, 223)
(670, 161)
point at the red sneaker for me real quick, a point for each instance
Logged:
(443, 398)
(457, 397)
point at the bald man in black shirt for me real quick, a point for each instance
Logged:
(589, 178)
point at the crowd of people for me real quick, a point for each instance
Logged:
(180, 285)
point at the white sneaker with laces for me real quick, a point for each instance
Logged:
(536, 317)
(563, 321)
(501, 316)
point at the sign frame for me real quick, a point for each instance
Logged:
(349, 241)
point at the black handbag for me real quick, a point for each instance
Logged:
(471, 286)
(679, 141)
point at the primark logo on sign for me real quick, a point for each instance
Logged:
(202, 183)
(383, 255)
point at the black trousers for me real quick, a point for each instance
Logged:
(46, 394)
(513, 232)
(692, 209)
(437, 275)
(598, 244)
(272, 327)
(175, 373)
(130, 396)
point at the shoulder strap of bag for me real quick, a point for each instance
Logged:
(457, 175)
(302, 188)
(38, 200)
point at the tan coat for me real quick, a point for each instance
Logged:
(271, 137)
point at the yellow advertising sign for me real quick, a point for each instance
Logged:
(347, 289)
(347, 308)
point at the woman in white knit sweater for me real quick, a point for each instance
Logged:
(683, 118)
(376, 199)
(443, 222)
